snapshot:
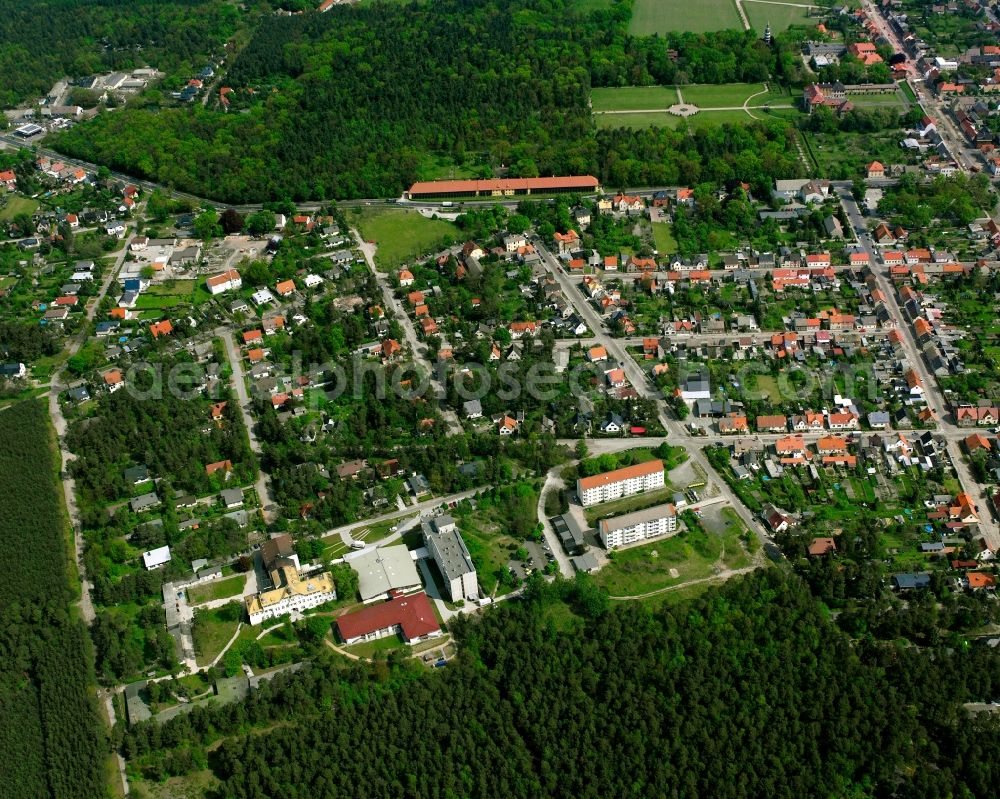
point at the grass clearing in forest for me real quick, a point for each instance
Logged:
(632, 98)
(780, 16)
(651, 17)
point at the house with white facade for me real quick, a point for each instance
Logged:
(619, 483)
(638, 526)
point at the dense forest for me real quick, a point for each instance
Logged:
(355, 102)
(747, 691)
(42, 41)
(51, 742)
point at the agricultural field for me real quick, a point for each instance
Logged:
(401, 236)
(665, 16)
(51, 740)
(779, 15)
(629, 98)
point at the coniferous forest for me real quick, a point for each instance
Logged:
(51, 741)
(748, 691)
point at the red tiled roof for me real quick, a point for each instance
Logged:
(626, 473)
(413, 614)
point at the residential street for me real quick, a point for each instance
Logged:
(56, 385)
(240, 387)
(677, 435)
(932, 393)
(394, 309)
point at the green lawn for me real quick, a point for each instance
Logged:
(897, 100)
(171, 294)
(699, 120)
(723, 95)
(646, 568)
(663, 238)
(212, 630)
(17, 205)
(402, 236)
(780, 16)
(368, 649)
(635, 502)
(217, 589)
(654, 120)
(628, 98)
(691, 553)
(666, 16)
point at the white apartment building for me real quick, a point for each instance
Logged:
(638, 526)
(622, 482)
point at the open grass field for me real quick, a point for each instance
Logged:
(666, 16)
(897, 100)
(723, 95)
(701, 119)
(663, 238)
(629, 98)
(172, 294)
(217, 589)
(17, 205)
(654, 120)
(689, 555)
(780, 16)
(401, 236)
(212, 630)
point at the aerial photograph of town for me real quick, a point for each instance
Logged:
(500, 399)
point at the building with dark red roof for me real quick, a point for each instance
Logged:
(411, 617)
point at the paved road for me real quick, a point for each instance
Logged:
(931, 105)
(427, 504)
(240, 387)
(932, 392)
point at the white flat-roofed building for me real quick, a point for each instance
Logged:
(445, 545)
(156, 558)
(623, 482)
(384, 569)
(638, 526)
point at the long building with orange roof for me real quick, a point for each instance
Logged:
(619, 483)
